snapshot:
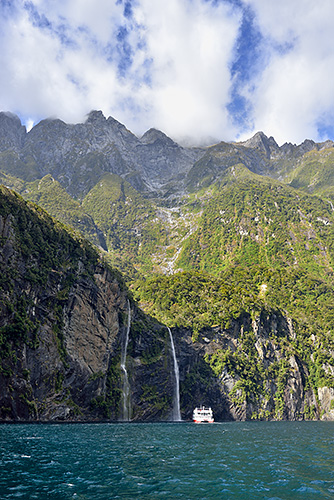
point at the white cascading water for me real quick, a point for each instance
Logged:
(176, 403)
(126, 386)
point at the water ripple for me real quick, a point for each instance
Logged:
(230, 461)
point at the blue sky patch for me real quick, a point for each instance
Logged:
(137, 62)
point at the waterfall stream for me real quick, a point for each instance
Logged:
(176, 400)
(126, 386)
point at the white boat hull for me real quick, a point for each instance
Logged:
(203, 421)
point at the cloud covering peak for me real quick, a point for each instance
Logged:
(197, 69)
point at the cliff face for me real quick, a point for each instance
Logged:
(57, 375)
(56, 333)
(63, 318)
(74, 373)
(250, 371)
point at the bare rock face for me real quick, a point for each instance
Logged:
(270, 384)
(261, 142)
(91, 322)
(326, 398)
(58, 377)
(79, 155)
(12, 132)
(73, 370)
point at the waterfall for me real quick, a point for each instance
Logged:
(126, 386)
(176, 400)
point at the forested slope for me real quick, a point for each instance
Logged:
(232, 246)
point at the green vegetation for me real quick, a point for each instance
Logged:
(260, 223)
(198, 300)
(44, 244)
(236, 249)
(128, 220)
(50, 195)
(151, 394)
(314, 173)
(229, 303)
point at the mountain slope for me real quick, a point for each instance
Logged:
(127, 219)
(217, 243)
(239, 346)
(51, 196)
(257, 221)
(63, 318)
(314, 173)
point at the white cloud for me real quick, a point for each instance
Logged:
(43, 76)
(168, 65)
(294, 95)
(191, 45)
(177, 76)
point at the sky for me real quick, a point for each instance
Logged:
(199, 70)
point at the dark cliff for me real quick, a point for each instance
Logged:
(249, 372)
(62, 325)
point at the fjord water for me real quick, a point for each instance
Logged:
(255, 460)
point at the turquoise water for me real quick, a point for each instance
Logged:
(255, 460)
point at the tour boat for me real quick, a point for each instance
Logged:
(203, 414)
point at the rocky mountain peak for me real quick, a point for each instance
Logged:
(7, 116)
(12, 132)
(96, 117)
(261, 141)
(307, 146)
(119, 129)
(327, 144)
(109, 130)
(52, 125)
(153, 135)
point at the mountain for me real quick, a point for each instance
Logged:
(78, 155)
(49, 194)
(12, 132)
(314, 172)
(65, 312)
(252, 220)
(64, 315)
(231, 246)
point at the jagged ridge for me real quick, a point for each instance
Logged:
(158, 208)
